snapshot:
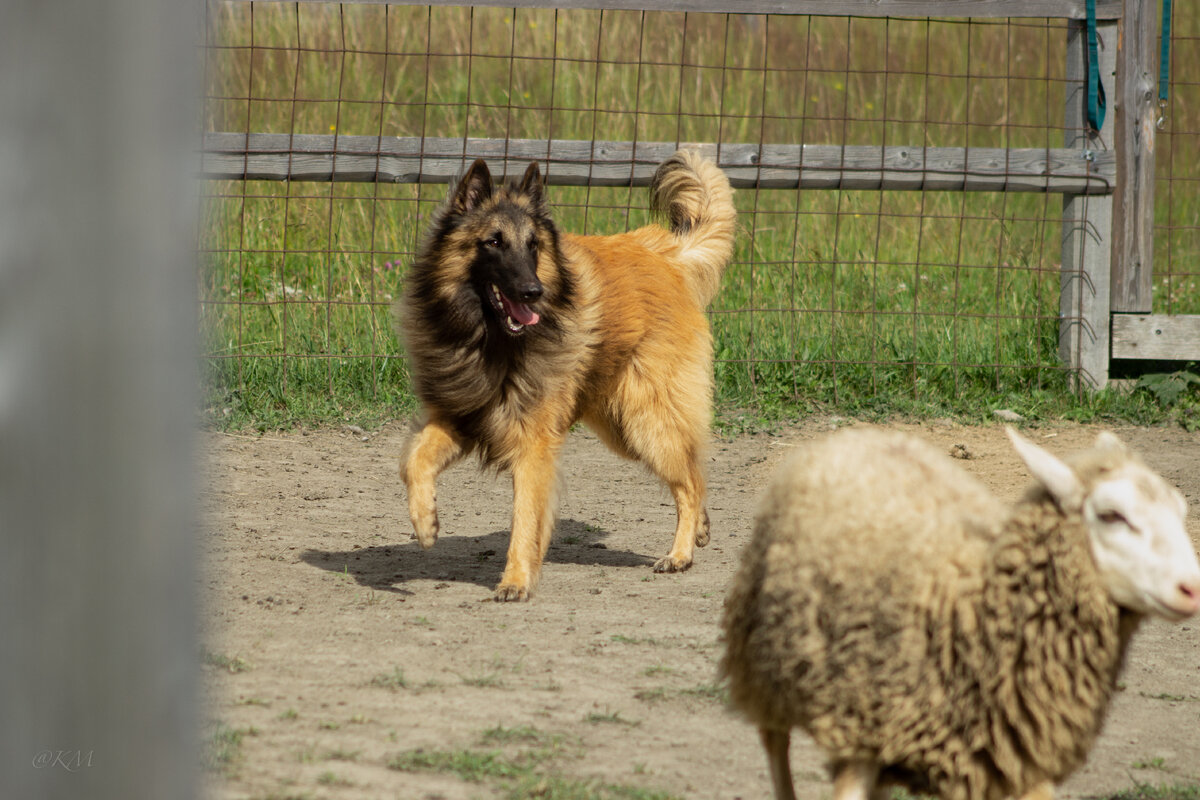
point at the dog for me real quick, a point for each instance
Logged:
(515, 330)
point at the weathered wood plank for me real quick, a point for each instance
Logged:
(314, 157)
(1137, 110)
(1083, 334)
(1156, 336)
(99, 586)
(1053, 9)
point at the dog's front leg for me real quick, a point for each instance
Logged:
(535, 506)
(428, 451)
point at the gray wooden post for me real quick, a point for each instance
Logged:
(1137, 111)
(98, 656)
(1083, 338)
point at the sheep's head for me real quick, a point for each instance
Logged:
(1135, 521)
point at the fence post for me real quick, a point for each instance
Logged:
(1137, 111)
(1084, 309)
(98, 655)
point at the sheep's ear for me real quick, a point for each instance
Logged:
(474, 188)
(1055, 477)
(1107, 440)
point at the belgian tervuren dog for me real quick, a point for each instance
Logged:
(515, 330)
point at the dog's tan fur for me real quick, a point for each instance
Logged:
(622, 344)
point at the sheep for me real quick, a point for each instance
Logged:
(926, 634)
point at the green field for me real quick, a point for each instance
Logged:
(865, 302)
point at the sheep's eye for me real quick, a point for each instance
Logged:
(1111, 517)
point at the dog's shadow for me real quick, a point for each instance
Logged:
(465, 559)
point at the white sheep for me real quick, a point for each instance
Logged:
(927, 635)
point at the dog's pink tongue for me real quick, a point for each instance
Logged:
(520, 312)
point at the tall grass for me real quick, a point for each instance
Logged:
(868, 300)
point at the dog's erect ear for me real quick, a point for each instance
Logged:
(474, 188)
(531, 184)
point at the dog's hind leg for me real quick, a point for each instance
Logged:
(427, 452)
(667, 439)
(691, 528)
(665, 430)
(535, 506)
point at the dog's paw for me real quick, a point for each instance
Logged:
(426, 534)
(425, 529)
(702, 534)
(511, 592)
(428, 540)
(670, 563)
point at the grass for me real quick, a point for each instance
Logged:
(520, 734)
(341, 755)
(614, 718)
(1145, 791)
(620, 638)
(232, 664)
(1174, 698)
(482, 680)
(393, 680)
(223, 747)
(712, 692)
(1140, 791)
(521, 761)
(870, 303)
(525, 775)
(329, 778)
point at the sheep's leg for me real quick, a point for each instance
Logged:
(428, 451)
(776, 743)
(1043, 791)
(855, 780)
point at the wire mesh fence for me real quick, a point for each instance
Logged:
(1177, 212)
(846, 294)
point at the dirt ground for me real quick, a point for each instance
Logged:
(336, 648)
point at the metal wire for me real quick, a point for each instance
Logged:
(854, 287)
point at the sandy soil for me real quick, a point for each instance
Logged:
(335, 647)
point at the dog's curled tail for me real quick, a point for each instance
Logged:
(695, 196)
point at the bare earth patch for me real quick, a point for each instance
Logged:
(343, 661)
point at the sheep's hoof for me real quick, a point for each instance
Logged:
(510, 592)
(672, 564)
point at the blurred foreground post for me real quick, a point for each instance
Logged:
(98, 660)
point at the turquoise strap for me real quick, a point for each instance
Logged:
(1164, 54)
(1096, 102)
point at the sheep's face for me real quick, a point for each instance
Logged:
(1135, 523)
(1140, 543)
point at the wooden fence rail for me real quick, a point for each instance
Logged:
(318, 157)
(1106, 177)
(1053, 9)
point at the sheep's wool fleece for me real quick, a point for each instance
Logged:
(893, 608)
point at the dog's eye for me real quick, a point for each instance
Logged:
(533, 245)
(494, 241)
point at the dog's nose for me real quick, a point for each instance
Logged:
(530, 292)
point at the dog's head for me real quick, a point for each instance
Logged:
(509, 229)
